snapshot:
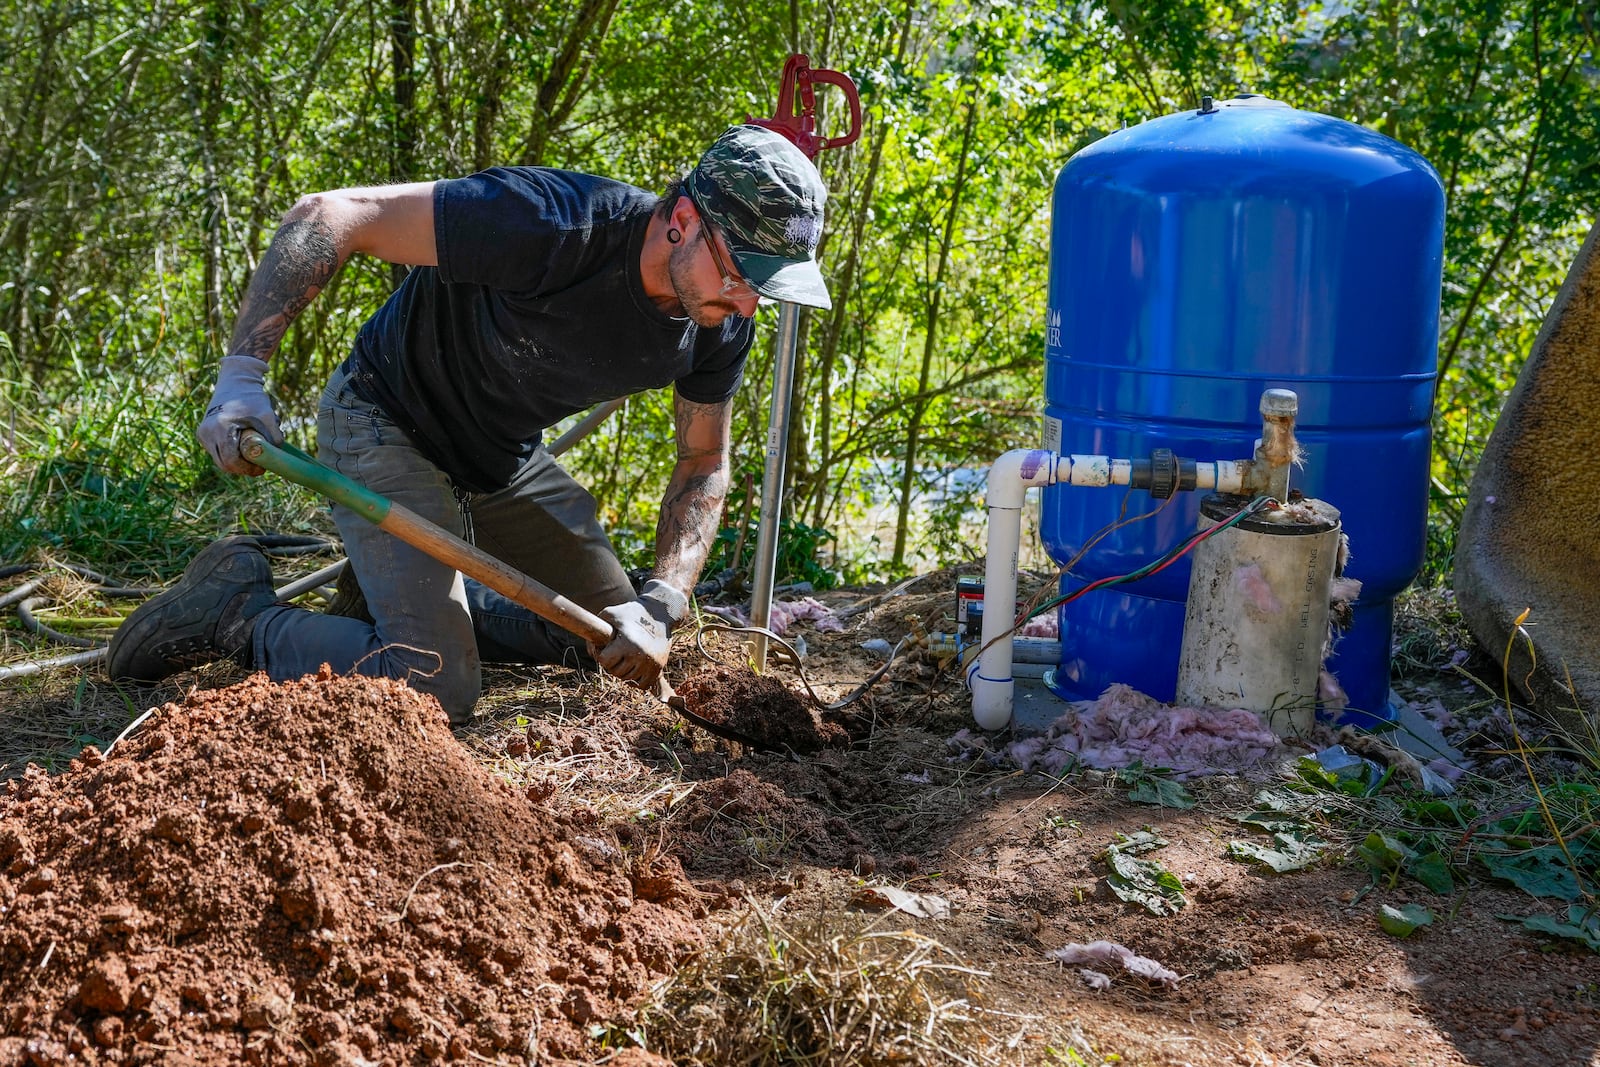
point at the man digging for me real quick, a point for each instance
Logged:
(537, 293)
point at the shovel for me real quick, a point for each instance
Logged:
(296, 466)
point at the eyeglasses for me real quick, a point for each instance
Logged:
(732, 287)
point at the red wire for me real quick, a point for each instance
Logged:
(1182, 551)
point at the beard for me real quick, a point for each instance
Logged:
(701, 307)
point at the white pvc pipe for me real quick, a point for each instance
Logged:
(990, 676)
(75, 659)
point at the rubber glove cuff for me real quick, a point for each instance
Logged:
(665, 603)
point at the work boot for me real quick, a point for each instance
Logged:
(348, 599)
(207, 616)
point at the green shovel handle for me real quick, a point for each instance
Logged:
(290, 462)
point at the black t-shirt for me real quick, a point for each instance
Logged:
(536, 311)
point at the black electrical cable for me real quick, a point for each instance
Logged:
(793, 657)
(25, 612)
(295, 544)
(1157, 565)
(1099, 535)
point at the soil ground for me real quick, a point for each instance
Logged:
(323, 872)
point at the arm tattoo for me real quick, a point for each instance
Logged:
(691, 417)
(302, 258)
(692, 508)
(689, 516)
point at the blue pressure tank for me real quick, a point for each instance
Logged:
(1197, 260)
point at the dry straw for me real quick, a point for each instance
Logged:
(826, 989)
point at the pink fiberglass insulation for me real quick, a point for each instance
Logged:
(785, 613)
(1113, 953)
(1256, 590)
(1125, 726)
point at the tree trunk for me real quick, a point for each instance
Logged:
(213, 50)
(486, 109)
(20, 165)
(563, 84)
(403, 50)
(908, 477)
(812, 487)
(838, 319)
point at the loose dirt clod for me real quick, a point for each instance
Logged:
(315, 870)
(761, 708)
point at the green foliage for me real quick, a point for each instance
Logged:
(1295, 845)
(95, 466)
(1147, 788)
(1405, 920)
(147, 153)
(110, 475)
(1511, 846)
(1289, 851)
(1539, 872)
(1582, 925)
(1388, 854)
(1361, 779)
(800, 549)
(94, 499)
(1141, 881)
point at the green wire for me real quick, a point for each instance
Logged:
(1156, 564)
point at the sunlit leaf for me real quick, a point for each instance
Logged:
(1404, 920)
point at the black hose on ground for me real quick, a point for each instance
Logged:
(27, 603)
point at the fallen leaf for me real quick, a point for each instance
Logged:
(1288, 852)
(1582, 925)
(922, 905)
(1142, 882)
(1161, 792)
(1404, 920)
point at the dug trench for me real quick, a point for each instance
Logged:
(321, 872)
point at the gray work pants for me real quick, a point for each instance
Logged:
(433, 628)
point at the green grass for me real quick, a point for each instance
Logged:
(102, 469)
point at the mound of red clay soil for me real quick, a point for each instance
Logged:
(761, 708)
(310, 872)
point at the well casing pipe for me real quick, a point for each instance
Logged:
(766, 559)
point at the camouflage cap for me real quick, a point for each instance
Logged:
(766, 198)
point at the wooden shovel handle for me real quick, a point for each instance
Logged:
(435, 540)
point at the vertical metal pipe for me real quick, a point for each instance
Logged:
(1277, 449)
(766, 560)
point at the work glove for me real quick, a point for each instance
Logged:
(641, 634)
(238, 403)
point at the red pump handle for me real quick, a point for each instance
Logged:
(796, 114)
